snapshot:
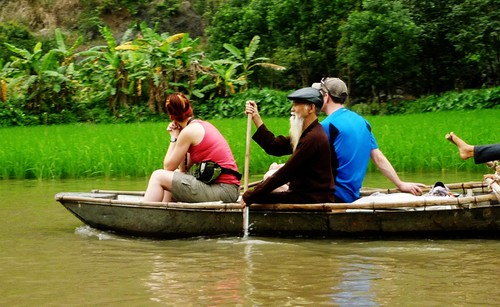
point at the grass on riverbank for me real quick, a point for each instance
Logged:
(413, 143)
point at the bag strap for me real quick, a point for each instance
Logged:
(224, 170)
(230, 171)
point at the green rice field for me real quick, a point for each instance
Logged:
(413, 143)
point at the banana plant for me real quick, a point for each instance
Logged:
(246, 60)
(174, 64)
(226, 81)
(41, 78)
(67, 52)
(147, 67)
(4, 73)
(104, 72)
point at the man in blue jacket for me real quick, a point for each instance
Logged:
(352, 144)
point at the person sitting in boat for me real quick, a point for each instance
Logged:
(480, 153)
(197, 146)
(308, 170)
(353, 144)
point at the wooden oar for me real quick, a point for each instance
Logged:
(251, 184)
(245, 174)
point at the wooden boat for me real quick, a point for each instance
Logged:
(475, 213)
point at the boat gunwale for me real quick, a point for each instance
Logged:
(459, 202)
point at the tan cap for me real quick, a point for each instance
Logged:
(334, 86)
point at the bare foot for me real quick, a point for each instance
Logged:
(466, 151)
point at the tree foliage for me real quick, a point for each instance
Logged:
(299, 35)
(43, 81)
(395, 49)
(16, 35)
(127, 76)
(380, 47)
(459, 42)
(476, 38)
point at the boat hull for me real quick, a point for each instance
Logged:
(167, 221)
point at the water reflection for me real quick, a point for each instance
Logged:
(355, 287)
(208, 276)
(254, 272)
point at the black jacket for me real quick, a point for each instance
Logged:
(308, 170)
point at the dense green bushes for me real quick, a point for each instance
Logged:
(272, 103)
(449, 101)
(16, 35)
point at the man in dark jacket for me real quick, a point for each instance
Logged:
(308, 170)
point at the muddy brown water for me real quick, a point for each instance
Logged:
(49, 258)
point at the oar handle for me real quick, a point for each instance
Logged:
(247, 153)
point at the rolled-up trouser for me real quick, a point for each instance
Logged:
(486, 153)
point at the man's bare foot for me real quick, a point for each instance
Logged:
(466, 151)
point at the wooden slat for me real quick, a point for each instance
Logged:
(446, 201)
(464, 186)
(135, 193)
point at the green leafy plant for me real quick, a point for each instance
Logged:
(247, 61)
(272, 103)
(44, 80)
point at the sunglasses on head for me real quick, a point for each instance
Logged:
(323, 85)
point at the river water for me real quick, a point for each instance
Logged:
(49, 258)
